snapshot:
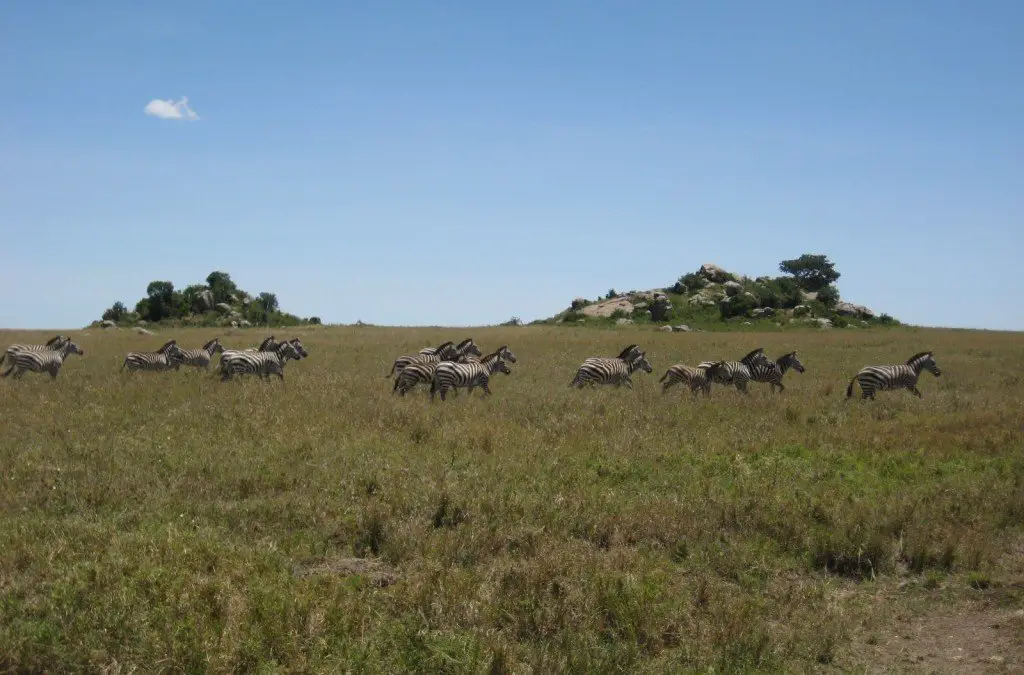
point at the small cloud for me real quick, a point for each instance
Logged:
(171, 110)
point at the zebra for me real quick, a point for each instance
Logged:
(736, 373)
(503, 351)
(611, 371)
(628, 352)
(165, 358)
(48, 361)
(903, 376)
(772, 371)
(696, 378)
(268, 345)
(467, 346)
(450, 375)
(262, 363)
(445, 352)
(200, 358)
(55, 342)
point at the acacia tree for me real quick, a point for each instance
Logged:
(812, 272)
(221, 285)
(269, 302)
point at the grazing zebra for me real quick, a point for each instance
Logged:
(903, 376)
(200, 358)
(450, 375)
(736, 373)
(263, 364)
(611, 371)
(772, 371)
(467, 347)
(446, 352)
(696, 378)
(162, 359)
(46, 361)
(55, 342)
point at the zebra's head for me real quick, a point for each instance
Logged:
(467, 346)
(287, 350)
(924, 361)
(790, 361)
(213, 346)
(502, 367)
(754, 357)
(506, 354)
(70, 347)
(447, 351)
(299, 348)
(640, 362)
(167, 347)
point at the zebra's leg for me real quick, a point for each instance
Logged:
(741, 385)
(915, 392)
(9, 371)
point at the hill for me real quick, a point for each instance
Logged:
(715, 299)
(218, 302)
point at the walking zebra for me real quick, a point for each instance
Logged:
(445, 352)
(627, 353)
(610, 371)
(268, 345)
(467, 346)
(45, 361)
(162, 359)
(200, 358)
(736, 373)
(55, 342)
(450, 375)
(263, 364)
(772, 371)
(903, 376)
(696, 378)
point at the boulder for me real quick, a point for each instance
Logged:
(808, 296)
(714, 273)
(623, 322)
(801, 310)
(223, 308)
(820, 323)
(660, 308)
(143, 331)
(142, 322)
(747, 323)
(640, 305)
(608, 307)
(108, 324)
(749, 295)
(732, 288)
(762, 312)
(681, 328)
(244, 324)
(234, 324)
(850, 309)
(204, 300)
(666, 329)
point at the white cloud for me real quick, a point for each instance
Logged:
(171, 110)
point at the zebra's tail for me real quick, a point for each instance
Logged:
(4, 356)
(125, 363)
(392, 370)
(665, 375)
(849, 387)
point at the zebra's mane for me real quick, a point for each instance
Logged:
(626, 352)
(752, 354)
(263, 345)
(465, 342)
(445, 344)
(167, 345)
(915, 357)
(51, 341)
(785, 357)
(490, 357)
(210, 343)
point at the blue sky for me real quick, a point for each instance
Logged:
(458, 163)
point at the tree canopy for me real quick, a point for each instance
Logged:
(812, 272)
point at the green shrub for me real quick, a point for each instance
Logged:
(739, 305)
(314, 321)
(828, 296)
(116, 312)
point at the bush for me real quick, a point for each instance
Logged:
(886, 320)
(514, 321)
(314, 321)
(689, 283)
(116, 312)
(619, 314)
(611, 294)
(739, 305)
(828, 296)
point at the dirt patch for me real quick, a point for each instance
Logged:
(375, 571)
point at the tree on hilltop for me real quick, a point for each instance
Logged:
(812, 272)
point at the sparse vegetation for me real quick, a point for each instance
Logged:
(321, 524)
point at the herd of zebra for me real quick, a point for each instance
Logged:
(267, 359)
(450, 367)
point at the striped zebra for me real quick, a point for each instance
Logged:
(162, 359)
(772, 371)
(445, 352)
(696, 378)
(467, 346)
(903, 376)
(44, 361)
(263, 363)
(55, 342)
(200, 358)
(451, 375)
(615, 371)
(736, 373)
(268, 345)
(627, 353)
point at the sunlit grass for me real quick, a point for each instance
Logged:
(174, 522)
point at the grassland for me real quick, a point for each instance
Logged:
(176, 523)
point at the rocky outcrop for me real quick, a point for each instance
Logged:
(850, 309)
(204, 301)
(732, 288)
(608, 307)
(714, 273)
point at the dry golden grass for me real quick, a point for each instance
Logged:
(173, 522)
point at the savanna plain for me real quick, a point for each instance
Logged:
(169, 522)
